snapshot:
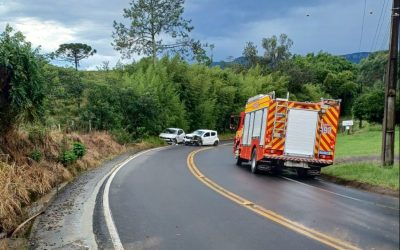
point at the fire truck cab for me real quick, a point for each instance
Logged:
(275, 133)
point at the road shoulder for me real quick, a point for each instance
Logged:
(67, 222)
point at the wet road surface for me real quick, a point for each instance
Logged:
(156, 203)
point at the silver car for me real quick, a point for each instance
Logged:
(173, 135)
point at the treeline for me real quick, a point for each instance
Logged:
(140, 99)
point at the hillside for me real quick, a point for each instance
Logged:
(353, 57)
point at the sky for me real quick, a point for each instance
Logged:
(334, 26)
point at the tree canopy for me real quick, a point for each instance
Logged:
(276, 50)
(155, 26)
(74, 52)
(250, 53)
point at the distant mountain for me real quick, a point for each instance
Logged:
(353, 57)
(356, 57)
(239, 60)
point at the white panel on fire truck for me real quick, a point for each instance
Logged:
(251, 126)
(263, 126)
(246, 129)
(257, 123)
(301, 132)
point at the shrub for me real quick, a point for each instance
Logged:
(121, 136)
(22, 84)
(37, 133)
(79, 149)
(68, 157)
(36, 155)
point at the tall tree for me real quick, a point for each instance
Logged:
(74, 52)
(276, 50)
(151, 21)
(250, 53)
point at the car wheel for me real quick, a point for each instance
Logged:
(175, 141)
(200, 143)
(215, 143)
(254, 163)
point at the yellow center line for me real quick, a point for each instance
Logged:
(268, 214)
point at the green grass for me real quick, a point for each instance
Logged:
(367, 141)
(154, 141)
(364, 142)
(226, 136)
(366, 173)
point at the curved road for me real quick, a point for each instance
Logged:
(157, 203)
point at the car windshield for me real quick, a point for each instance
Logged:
(170, 131)
(198, 132)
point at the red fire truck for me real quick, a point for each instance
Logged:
(275, 133)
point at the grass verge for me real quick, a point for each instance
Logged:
(357, 153)
(226, 136)
(366, 173)
(364, 142)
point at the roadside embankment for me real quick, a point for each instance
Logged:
(33, 163)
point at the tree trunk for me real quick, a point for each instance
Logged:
(153, 35)
(76, 64)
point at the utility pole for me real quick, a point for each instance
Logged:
(390, 90)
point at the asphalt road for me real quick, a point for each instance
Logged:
(157, 203)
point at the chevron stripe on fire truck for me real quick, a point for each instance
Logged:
(329, 129)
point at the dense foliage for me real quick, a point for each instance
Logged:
(21, 83)
(140, 99)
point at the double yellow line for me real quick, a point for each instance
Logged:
(268, 214)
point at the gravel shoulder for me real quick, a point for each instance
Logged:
(68, 221)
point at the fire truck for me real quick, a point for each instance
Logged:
(275, 133)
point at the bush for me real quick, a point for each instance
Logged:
(68, 157)
(22, 85)
(36, 155)
(79, 149)
(37, 133)
(121, 136)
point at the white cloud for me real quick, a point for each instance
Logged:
(47, 34)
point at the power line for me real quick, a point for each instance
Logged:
(379, 25)
(385, 40)
(385, 36)
(362, 26)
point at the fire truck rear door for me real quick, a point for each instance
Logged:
(301, 132)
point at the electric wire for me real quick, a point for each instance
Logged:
(385, 35)
(379, 25)
(362, 26)
(385, 40)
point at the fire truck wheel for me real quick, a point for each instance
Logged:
(239, 161)
(254, 163)
(301, 172)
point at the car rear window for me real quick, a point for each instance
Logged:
(213, 133)
(170, 131)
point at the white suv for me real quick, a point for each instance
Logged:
(202, 137)
(173, 135)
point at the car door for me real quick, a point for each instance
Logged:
(213, 137)
(206, 138)
(180, 136)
